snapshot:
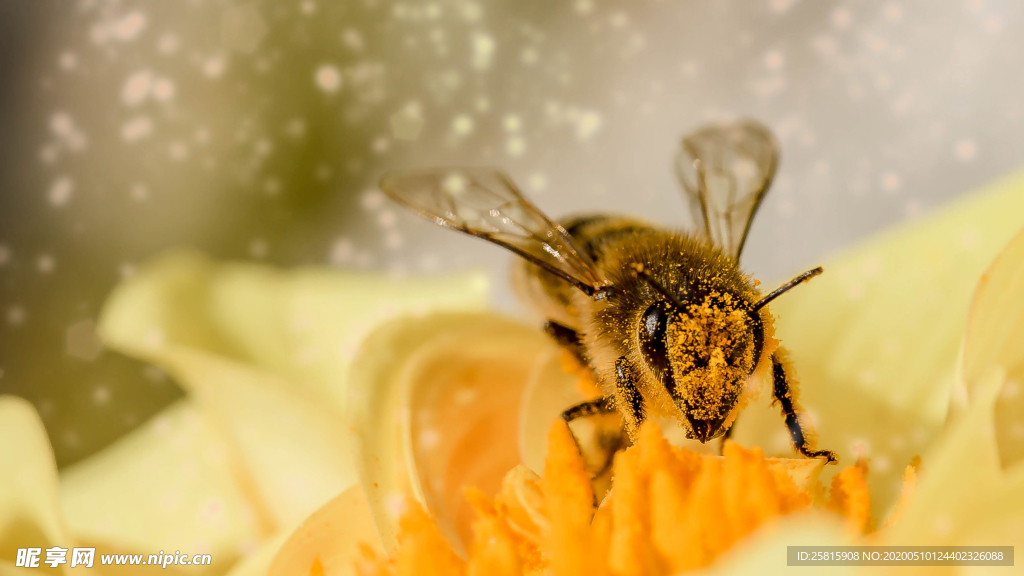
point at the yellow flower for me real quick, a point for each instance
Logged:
(286, 423)
(892, 368)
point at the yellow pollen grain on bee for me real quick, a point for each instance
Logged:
(701, 344)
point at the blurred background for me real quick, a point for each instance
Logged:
(257, 130)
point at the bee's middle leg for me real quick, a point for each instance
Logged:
(783, 394)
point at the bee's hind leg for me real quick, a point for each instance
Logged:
(568, 339)
(606, 444)
(628, 403)
(782, 391)
(605, 405)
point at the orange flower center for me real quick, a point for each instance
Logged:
(670, 510)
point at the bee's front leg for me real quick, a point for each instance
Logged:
(628, 397)
(783, 393)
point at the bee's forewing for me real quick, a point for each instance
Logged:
(484, 202)
(726, 170)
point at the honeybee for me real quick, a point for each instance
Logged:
(664, 319)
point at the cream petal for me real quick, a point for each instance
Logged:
(258, 563)
(283, 443)
(972, 485)
(29, 504)
(286, 453)
(304, 325)
(874, 340)
(860, 325)
(330, 537)
(995, 337)
(167, 485)
(764, 552)
(964, 497)
(549, 390)
(434, 408)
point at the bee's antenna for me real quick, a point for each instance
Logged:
(672, 298)
(786, 287)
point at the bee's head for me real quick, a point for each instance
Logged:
(702, 352)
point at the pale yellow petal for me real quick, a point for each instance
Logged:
(971, 489)
(303, 324)
(29, 506)
(291, 447)
(549, 391)
(964, 497)
(286, 452)
(995, 337)
(258, 563)
(167, 485)
(330, 538)
(874, 340)
(884, 311)
(435, 407)
(764, 551)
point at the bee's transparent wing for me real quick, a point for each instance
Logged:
(485, 203)
(726, 170)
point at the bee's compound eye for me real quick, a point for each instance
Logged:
(652, 332)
